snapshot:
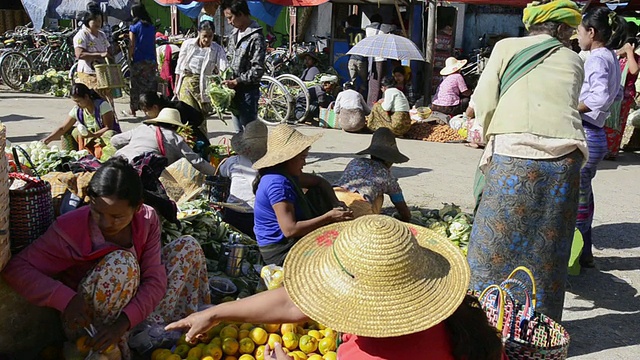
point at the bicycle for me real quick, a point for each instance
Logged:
(275, 103)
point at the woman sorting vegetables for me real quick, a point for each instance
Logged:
(142, 52)
(92, 48)
(199, 58)
(158, 136)
(392, 112)
(90, 124)
(386, 310)
(151, 104)
(365, 181)
(103, 264)
(283, 212)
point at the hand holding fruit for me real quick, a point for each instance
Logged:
(339, 214)
(276, 353)
(77, 314)
(110, 335)
(197, 325)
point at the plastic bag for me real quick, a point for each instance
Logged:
(273, 276)
(474, 131)
(457, 122)
(634, 119)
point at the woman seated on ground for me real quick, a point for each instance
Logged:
(151, 103)
(346, 266)
(392, 112)
(103, 264)
(249, 145)
(283, 212)
(311, 70)
(95, 122)
(402, 76)
(158, 136)
(351, 109)
(452, 96)
(365, 181)
(319, 96)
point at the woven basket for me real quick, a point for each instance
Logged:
(5, 247)
(109, 76)
(31, 208)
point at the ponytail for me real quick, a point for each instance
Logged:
(609, 27)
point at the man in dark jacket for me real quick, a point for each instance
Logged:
(246, 51)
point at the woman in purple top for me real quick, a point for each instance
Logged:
(142, 55)
(601, 32)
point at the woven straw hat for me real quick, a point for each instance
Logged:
(383, 146)
(376, 277)
(166, 116)
(252, 141)
(284, 143)
(452, 65)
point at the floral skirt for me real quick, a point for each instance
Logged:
(399, 123)
(527, 217)
(144, 78)
(114, 281)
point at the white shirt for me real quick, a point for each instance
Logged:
(85, 40)
(195, 63)
(239, 169)
(350, 99)
(394, 101)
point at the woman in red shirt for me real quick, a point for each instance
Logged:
(398, 291)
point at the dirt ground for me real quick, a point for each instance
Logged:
(602, 307)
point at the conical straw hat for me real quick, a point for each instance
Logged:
(283, 144)
(376, 277)
(252, 141)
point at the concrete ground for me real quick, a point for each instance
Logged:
(602, 308)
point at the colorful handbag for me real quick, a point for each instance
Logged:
(526, 333)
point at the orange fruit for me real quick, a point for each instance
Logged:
(286, 328)
(196, 352)
(308, 344)
(331, 355)
(160, 354)
(230, 346)
(216, 341)
(246, 326)
(258, 335)
(290, 340)
(246, 357)
(315, 357)
(243, 334)
(213, 351)
(298, 355)
(272, 328)
(273, 339)
(259, 354)
(182, 351)
(316, 334)
(327, 344)
(230, 331)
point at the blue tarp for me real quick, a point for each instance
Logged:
(263, 11)
(192, 9)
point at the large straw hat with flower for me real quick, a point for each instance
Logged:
(252, 141)
(166, 116)
(376, 277)
(284, 143)
(452, 65)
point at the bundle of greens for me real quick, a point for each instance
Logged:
(54, 82)
(221, 96)
(46, 159)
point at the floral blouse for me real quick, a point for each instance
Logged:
(371, 179)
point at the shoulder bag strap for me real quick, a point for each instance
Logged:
(614, 119)
(526, 60)
(160, 140)
(80, 115)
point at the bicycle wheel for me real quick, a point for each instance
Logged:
(16, 69)
(299, 96)
(60, 61)
(274, 106)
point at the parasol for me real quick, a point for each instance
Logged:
(387, 46)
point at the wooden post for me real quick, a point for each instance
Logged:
(429, 54)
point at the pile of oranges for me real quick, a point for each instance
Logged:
(309, 341)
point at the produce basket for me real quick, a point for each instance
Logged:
(217, 186)
(5, 247)
(31, 207)
(109, 76)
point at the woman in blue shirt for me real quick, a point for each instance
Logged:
(142, 56)
(283, 213)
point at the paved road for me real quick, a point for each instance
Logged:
(602, 309)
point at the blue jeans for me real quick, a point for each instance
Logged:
(246, 105)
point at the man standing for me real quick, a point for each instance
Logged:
(246, 51)
(357, 64)
(377, 67)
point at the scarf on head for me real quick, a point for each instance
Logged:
(562, 11)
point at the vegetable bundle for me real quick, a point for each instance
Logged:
(221, 96)
(46, 159)
(54, 82)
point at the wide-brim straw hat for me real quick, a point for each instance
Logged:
(166, 116)
(310, 54)
(376, 277)
(384, 146)
(452, 65)
(252, 141)
(284, 143)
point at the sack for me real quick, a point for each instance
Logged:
(182, 181)
(31, 207)
(526, 334)
(5, 247)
